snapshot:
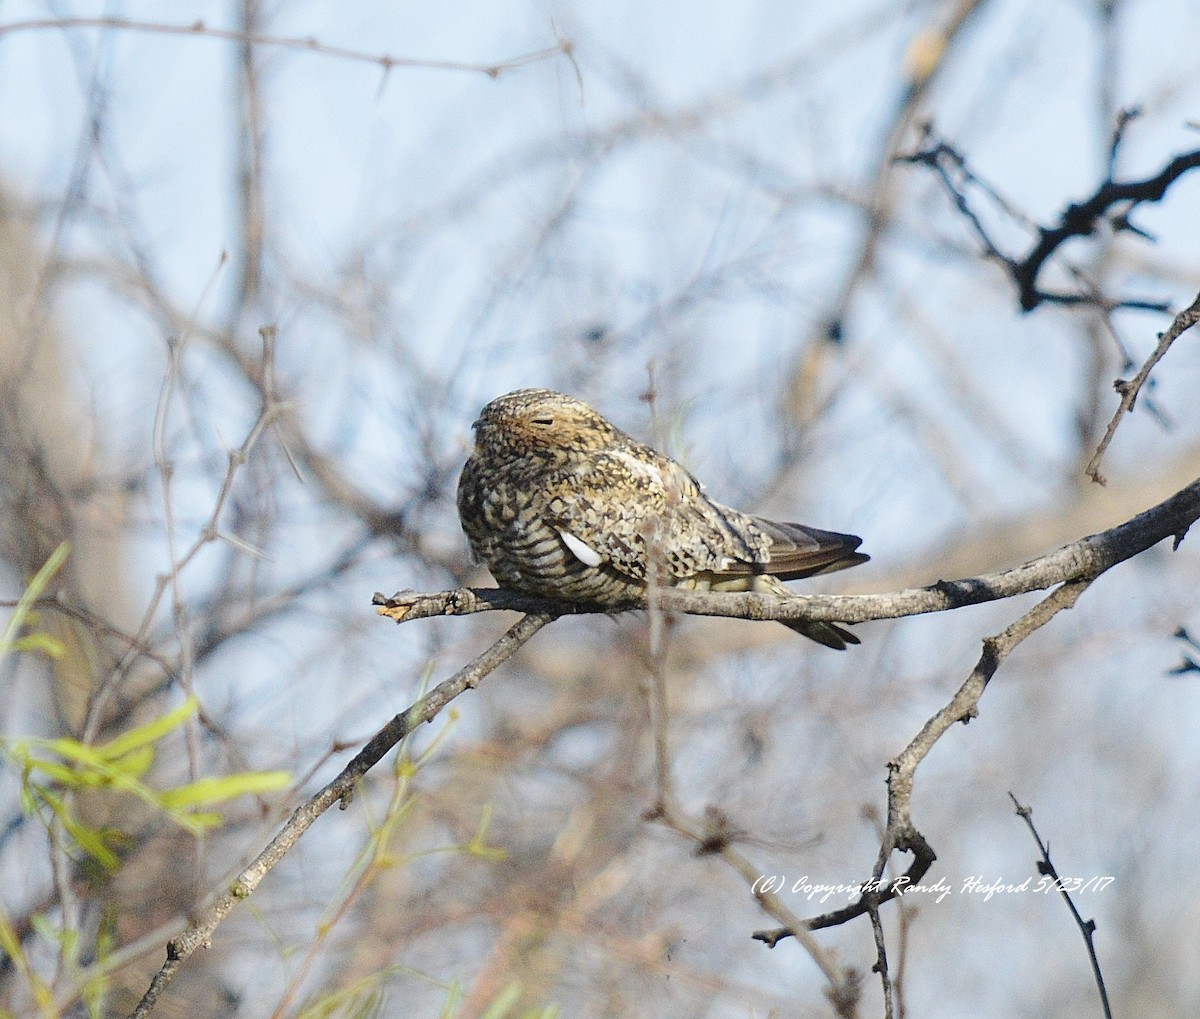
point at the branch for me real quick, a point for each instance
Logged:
(716, 834)
(1081, 560)
(881, 964)
(307, 43)
(1080, 219)
(341, 788)
(1086, 927)
(1114, 200)
(930, 51)
(1073, 566)
(901, 834)
(1129, 390)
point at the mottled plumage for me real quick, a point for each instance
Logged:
(558, 502)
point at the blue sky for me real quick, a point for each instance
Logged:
(684, 195)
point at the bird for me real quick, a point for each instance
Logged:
(558, 502)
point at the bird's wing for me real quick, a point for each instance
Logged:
(632, 508)
(799, 551)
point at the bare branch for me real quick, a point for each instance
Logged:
(1086, 927)
(308, 43)
(208, 533)
(341, 788)
(929, 53)
(251, 137)
(1112, 200)
(715, 834)
(1129, 390)
(1073, 567)
(901, 834)
(881, 963)
(1080, 219)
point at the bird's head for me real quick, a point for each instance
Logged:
(540, 421)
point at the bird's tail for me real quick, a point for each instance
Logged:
(829, 634)
(799, 551)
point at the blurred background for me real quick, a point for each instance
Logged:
(691, 216)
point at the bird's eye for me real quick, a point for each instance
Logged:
(543, 421)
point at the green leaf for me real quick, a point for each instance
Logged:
(33, 591)
(10, 944)
(135, 763)
(51, 647)
(504, 1001)
(120, 764)
(92, 841)
(150, 733)
(478, 846)
(61, 773)
(454, 995)
(223, 787)
(91, 767)
(199, 822)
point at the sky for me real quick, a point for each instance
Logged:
(679, 197)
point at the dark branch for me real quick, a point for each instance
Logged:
(1080, 219)
(1086, 927)
(1112, 201)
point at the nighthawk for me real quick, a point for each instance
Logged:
(558, 502)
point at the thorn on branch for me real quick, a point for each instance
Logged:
(655, 812)
(1189, 663)
(1121, 223)
(718, 833)
(1123, 119)
(773, 937)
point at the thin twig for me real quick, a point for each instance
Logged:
(170, 579)
(1086, 927)
(251, 136)
(1130, 389)
(715, 837)
(881, 963)
(307, 43)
